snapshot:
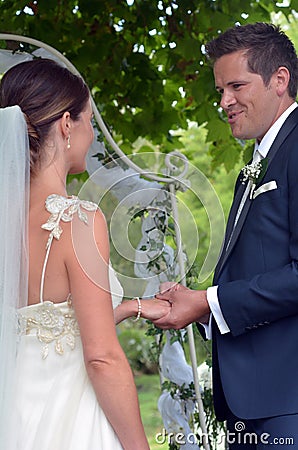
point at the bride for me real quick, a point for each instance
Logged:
(65, 383)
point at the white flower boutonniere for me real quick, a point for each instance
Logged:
(254, 173)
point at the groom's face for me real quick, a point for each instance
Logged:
(251, 106)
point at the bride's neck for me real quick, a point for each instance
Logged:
(49, 180)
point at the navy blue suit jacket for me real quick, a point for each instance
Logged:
(256, 363)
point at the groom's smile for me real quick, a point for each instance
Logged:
(250, 105)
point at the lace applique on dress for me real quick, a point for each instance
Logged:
(62, 208)
(52, 322)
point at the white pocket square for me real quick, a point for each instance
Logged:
(270, 186)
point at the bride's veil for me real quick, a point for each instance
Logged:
(14, 204)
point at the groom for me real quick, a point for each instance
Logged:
(252, 309)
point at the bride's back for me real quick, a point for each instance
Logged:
(56, 284)
(53, 101)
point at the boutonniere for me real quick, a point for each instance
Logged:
(254, 173)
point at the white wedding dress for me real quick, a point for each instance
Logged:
(56, 405)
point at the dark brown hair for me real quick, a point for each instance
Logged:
(44, 90)
(267, 49)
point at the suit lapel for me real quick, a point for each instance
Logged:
(239, 191)
(232, 233)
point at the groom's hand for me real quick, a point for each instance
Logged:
(154, 309)
(187, 306)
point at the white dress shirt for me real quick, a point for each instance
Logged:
(263, 148)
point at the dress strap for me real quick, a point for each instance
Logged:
(61, 208)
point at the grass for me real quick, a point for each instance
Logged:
(149, 391)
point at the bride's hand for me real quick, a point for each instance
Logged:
(154, 309)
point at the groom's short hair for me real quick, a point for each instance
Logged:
(267, 48)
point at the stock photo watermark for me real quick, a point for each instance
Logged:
(239, 436)
(142, 213)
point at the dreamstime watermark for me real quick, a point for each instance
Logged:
(181, 439)
(141, 252)
(239, 436)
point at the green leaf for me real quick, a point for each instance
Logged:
(226, 153)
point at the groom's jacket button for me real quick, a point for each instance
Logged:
(252, 327)
(260, 324)
(264, 323)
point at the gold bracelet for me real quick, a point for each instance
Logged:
(139, 309)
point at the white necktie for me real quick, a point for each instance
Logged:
(256, 158)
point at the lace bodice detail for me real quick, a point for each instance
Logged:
(50, 323)
(54, 322)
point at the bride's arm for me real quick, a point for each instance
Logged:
(151, 309)
(105, 361)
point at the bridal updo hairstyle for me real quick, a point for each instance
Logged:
(44, 90)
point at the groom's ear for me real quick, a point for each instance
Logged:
(282, 78)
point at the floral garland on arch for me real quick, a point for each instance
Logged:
(177, 402)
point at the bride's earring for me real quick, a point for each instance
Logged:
(68, 142)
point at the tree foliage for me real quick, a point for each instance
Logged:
(143, 60)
